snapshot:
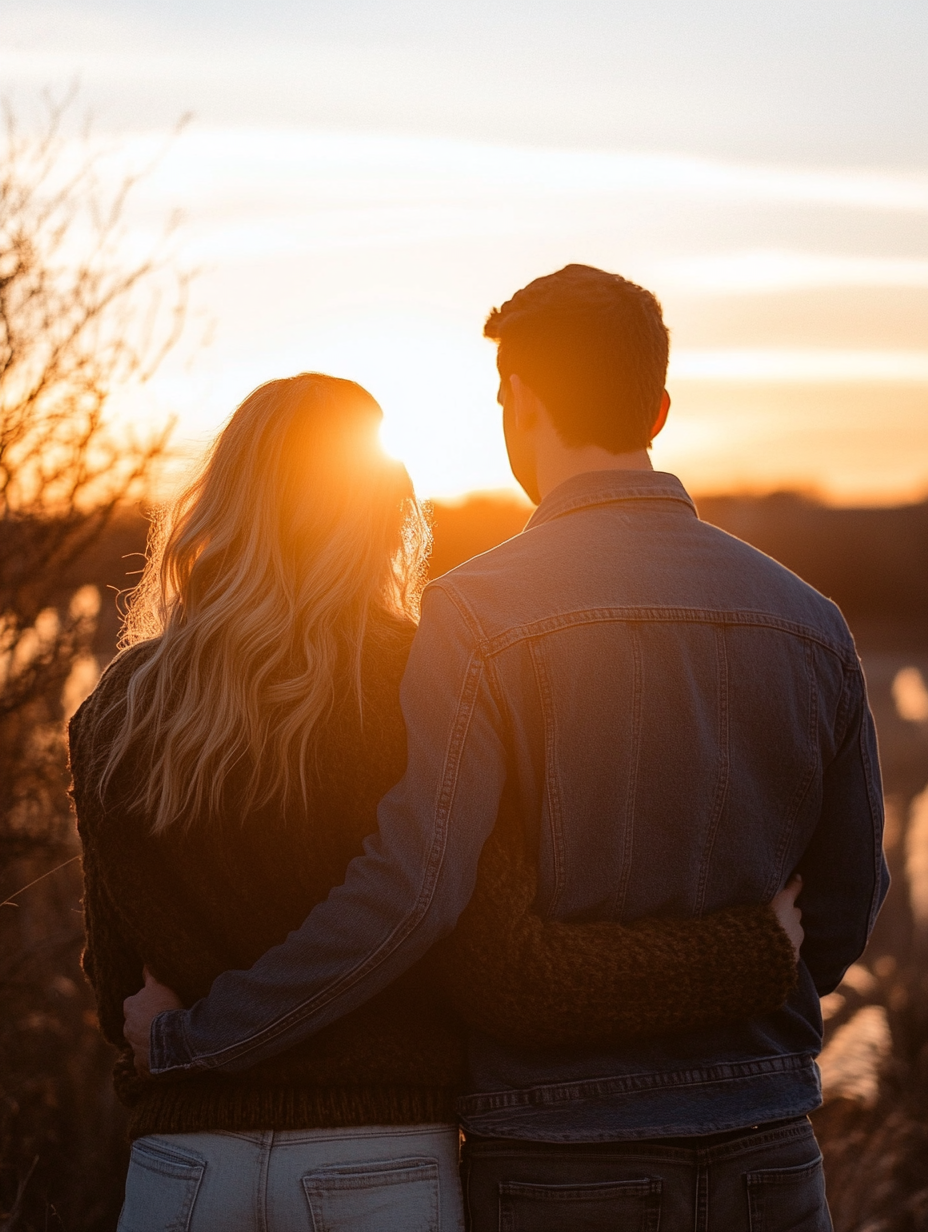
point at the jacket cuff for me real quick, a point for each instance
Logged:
(169, 1051)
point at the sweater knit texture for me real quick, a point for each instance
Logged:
(194, 902)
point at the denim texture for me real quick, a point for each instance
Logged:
(766, 1181)
(367, 1179)
(681, 722)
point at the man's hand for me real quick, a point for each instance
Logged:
(788, 914)
(140, 1009)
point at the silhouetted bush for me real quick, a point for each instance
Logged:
(76, 320)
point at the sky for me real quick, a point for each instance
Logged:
(361, 182)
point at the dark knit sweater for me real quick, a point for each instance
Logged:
(194, 903)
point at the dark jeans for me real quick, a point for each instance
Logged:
(767, 1179)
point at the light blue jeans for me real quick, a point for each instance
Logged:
(373, 1178)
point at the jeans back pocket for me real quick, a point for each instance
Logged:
(788, 1199)
(611, 1206)
(384, 1195)
(161, 1188)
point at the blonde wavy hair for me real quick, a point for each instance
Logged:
(297, 540)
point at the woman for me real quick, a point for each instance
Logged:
(226, 770)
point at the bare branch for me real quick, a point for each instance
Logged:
(78, 321)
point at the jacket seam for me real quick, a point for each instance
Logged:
(803, 785)
(591, 501)
(556, 1093)
(631, 794)
(641, 1148)
(723, 778)
(498, 694)
(552, 787)
(463, 608)
(843, 721)
(876, 829)
(497, 643)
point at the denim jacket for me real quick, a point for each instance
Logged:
(683, 723)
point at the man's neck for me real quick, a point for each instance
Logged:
(557, 466)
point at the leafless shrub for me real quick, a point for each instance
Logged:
(76, 323)
(79, 320)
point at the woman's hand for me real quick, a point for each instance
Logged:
(139, 1011)
(788, 914)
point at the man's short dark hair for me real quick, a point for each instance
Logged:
(593, 347)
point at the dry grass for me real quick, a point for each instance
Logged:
(63, 1152)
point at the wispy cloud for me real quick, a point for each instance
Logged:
(777, 270)
(378, 257)
(456, 169)
(794, 366)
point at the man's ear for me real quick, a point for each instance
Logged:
(526, 406)
(661, 414)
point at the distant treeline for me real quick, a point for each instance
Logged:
(873, 562)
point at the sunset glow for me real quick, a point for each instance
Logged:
(796, 287)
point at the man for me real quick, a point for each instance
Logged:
(682, 723)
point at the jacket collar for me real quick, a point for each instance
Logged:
(610, 487)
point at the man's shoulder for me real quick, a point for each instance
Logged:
(492, 586)
(761, 582)
(544, 572)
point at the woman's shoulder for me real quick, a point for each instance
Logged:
(393, 634)
(385, 651)
(370, 733)
(119, 671)
(110, 690)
